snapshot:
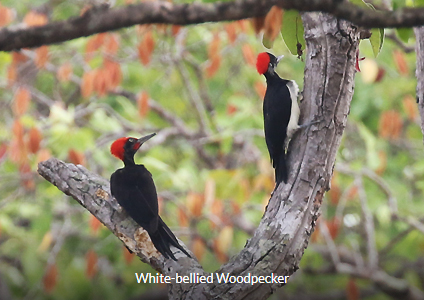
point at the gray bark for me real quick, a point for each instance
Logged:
(419, 72)
(283, 234)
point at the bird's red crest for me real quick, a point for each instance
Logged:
(262, 62)
(117, 148)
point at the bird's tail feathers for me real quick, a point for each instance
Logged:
(164, 238)
(280, 166)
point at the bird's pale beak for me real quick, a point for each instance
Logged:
(279, 58)
(144, 139)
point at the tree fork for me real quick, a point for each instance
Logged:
(288, 222)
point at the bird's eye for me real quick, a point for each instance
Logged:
(131, 140)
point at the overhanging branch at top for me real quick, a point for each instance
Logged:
(102, 19)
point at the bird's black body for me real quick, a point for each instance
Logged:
(134, 189)
(281, 113)
(277, 108)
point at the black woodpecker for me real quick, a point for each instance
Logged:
(134, 189)
(281, 113)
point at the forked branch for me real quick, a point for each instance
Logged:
(283, 234)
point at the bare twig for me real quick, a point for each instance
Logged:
(384, 187)
(368, 225)
(332, 248)
(405, 48)
(392, 286)
(414, 223)
(49, 66)
(202, 84)
(342, 202)
(381, 183)
(161, 111)
(194, 98)
(393, 242)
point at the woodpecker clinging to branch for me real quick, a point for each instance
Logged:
(134, 189)
(281, 113)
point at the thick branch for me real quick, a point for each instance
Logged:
(102, 19)
(93, 193)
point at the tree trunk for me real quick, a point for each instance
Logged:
(419, 72)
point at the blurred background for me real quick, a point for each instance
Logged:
(198, 89)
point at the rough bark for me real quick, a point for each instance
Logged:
(102, 18)
(419, 72)
(283, 234)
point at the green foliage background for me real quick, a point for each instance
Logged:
(41, 226)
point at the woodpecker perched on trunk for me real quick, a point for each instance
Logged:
(134, 189)
(281, 113)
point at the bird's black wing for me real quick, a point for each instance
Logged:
(277, 111)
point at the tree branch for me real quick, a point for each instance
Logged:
(395, 287)
(163, 113)
(93, 192)
(369, 227)
(102, 19)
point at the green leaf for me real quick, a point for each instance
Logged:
(292, 30)
(404, 33)
(376, 40)
(381, 37)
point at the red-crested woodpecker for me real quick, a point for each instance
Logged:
(134, 189)
(281, 113)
